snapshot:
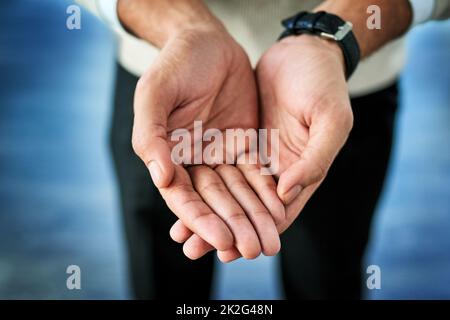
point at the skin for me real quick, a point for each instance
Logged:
(314, 128)
(202, 74)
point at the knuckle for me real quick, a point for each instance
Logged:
(347, 120)
(239, 185)
(213, 186)
(183, 193)
(221, 169)
(342, 118)
(144, 140)
(320, 171)
(269, 187)
(138, 144)
(235, 218)
(202, 217)
(194, 171)
(262, 215)
(319, 164)
(226, 169)
(145, 81)
(201, 177)
(156, 130)
(253, 170)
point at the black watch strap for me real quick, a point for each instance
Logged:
(328, 26)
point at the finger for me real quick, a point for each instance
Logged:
(266, 189)
(195, 247)
(152, 103)
(327, 136)
(196, 215)
(229, 255)
(255, 210)
(295, 207)
(179, 232)
(214, 192)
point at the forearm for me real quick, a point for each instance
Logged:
(396, 16)
(156, 21)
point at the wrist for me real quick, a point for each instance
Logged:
(396, 18)
(323, 46)
(158, 21)
(197, 24)
(202, 28)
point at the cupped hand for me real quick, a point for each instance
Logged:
(203, 75)
(304, 94)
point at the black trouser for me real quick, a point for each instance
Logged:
(321, 252)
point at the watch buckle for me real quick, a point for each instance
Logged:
(342, 32)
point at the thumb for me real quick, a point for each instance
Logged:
(149, 140)
(326, 138)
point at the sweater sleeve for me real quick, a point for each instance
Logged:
(106, 10)
(426, 10)
(441, 9)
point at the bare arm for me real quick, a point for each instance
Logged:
(396, 17)
(157, 20)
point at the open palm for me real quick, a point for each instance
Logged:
(207, 78)
(304, 94)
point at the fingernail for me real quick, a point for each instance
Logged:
(292, 194)
(155, 172)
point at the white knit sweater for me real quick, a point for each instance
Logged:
(255, 24)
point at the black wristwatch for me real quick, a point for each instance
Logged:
(328, 26)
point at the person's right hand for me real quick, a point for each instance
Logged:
(203, 74)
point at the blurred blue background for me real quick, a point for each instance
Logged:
(58, 194)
